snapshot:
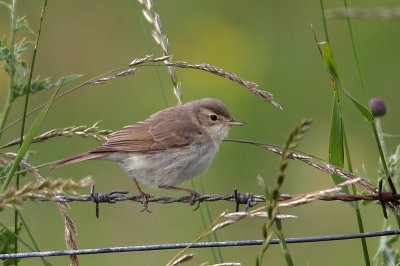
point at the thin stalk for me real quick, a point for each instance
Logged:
(345, 144)
(24, 170)
(146, 37)
(45, 261)
(282, 242)
(11, 74)
(353, 45)
(203, 219)
(324, 20)
(380, 149)
(382, 155)
(6, 111)
(356, 204)
(9, 97)
(31, 72)
(17, 213)
(380, 135)
(210, 218)
(17, 236)
(28, 141)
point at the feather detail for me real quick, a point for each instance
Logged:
(76, 158)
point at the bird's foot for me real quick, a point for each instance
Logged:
(144, 197)
(193, 194)
(145, 201)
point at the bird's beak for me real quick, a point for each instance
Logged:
(233, 123)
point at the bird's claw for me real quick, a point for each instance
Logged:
(145, 201)
(192, 199)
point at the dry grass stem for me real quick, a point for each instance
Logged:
(70, 230)
(103, 80)
(317, 195)
(161, 39)
(222, 225)
(33, 170)
(149, 58)
(207, 231)
(166, 59)
(46, 188)
(84, 131)
(128, 72)
(326, 168)
(307, 158)
(262, 214)
(183, 259)
(251, 86)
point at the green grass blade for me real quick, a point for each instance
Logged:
(330, 64)
(336, 152)
(28, 141)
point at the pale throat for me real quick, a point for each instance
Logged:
(217, 132)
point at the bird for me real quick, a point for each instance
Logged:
(172, 146)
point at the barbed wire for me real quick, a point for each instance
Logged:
(239, 198)
(196, 245)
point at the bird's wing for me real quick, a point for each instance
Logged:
(152, 135)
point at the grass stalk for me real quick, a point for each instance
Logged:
(17, 213)
(273, 197)
(356, 203)
(146, 37)
(203, 219)
(28, 141)
(9, 96)
(353, 45)
(210, 219)
(7, 107)
(321, 3)
(340, 131)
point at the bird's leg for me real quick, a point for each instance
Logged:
(193, 194)
(142, 195)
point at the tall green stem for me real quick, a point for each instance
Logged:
(353, 45)
(10, 91)
(356, 204)
(11, 73)
(16, 212)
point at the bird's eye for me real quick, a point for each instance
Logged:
(213, 117)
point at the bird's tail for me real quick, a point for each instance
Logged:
(76, 158)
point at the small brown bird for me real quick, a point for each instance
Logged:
(169, 148)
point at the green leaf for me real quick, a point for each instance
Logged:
(336, 151)
(333, 71)
(44, 84)
(7, 240)
(23, 45)
(22, 23)
(67, 79)
(4, 53)
(28, 141)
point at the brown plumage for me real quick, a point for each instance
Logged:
(154, 134)
(170, 147)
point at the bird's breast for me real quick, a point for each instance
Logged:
(172, 166)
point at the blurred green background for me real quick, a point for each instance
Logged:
(268, 42)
